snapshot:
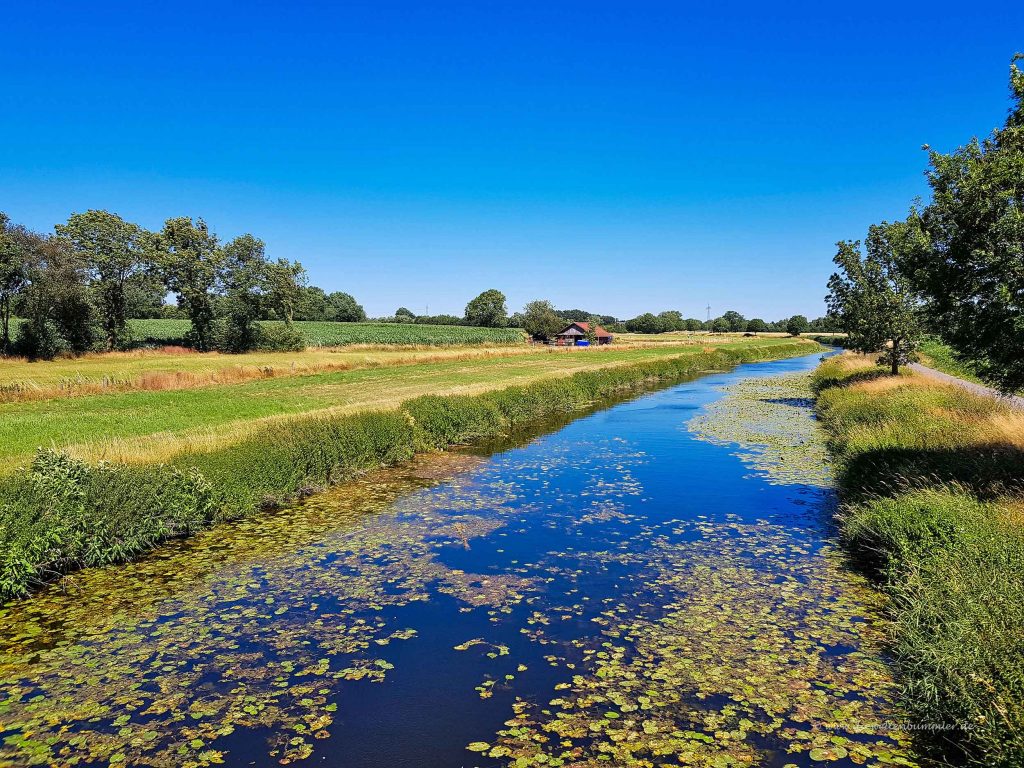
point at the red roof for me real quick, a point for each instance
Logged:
(585, 327)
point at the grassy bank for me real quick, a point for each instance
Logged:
(158, 425)
(932, 480)
(63, 513)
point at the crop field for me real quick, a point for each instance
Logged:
(156, 425)
(329, 334)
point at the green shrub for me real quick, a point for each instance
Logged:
(63, 514)
(280, 338)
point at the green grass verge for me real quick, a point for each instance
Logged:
(937, 355)
(931, 508)
(62, 514)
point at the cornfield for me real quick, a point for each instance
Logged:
(328, 334)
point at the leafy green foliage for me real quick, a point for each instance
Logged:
(487, 310)
(113, 252)
(15, 243)
(796, 325)
(284, 283)
(343, 308)
(57, 311)
(871, 297)
(540, 320)
(645, 323)
(971, 268)
(191, 262)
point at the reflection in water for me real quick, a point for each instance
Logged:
(621, 592)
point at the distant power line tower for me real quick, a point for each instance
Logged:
(709, 312)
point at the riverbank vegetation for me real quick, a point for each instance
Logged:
(954, 267)
(932, 481)
(111, 511)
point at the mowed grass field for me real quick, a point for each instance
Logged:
(157, 425)
(180, 368)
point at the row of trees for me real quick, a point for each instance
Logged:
(730, 322)
(954, 267)
(77, 288)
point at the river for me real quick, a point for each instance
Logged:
(655, 583)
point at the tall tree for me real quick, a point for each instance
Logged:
(113, 252)
(15, 246)
(871, 297)
(796, 325)
(540, 320)
(672, 320)
(735, 320)
(58, 313)
(244, 278)
(488, 310)
(192, 265)
(286, 282)
(971, 270)
(343, 308)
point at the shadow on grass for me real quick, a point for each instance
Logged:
(988, 471)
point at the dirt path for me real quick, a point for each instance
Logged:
(978, 389)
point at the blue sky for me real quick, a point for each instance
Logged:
(619, 157)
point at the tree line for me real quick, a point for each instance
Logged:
(76, 289)
(954, 268)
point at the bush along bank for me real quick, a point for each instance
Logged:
(932, 483)
(62, 514)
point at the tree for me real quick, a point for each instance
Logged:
(344, 308)
(735, 320)
(672, 320)
(487, 310)
(645, 323)
(285, 283)
(540, 320)
(970, 266)
(244, 282)
(15, 246)
(404, 315)
(58, 314)
(313, 304)
(113, 252)
(693, 324)
(757, 325)
(191, 264)
(720, 325)
(871, 297)
(796, 325)
(825, 325)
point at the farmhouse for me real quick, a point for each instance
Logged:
(576, 333)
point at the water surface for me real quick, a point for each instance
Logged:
(635, 588)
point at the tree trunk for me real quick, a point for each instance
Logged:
(895, 358)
